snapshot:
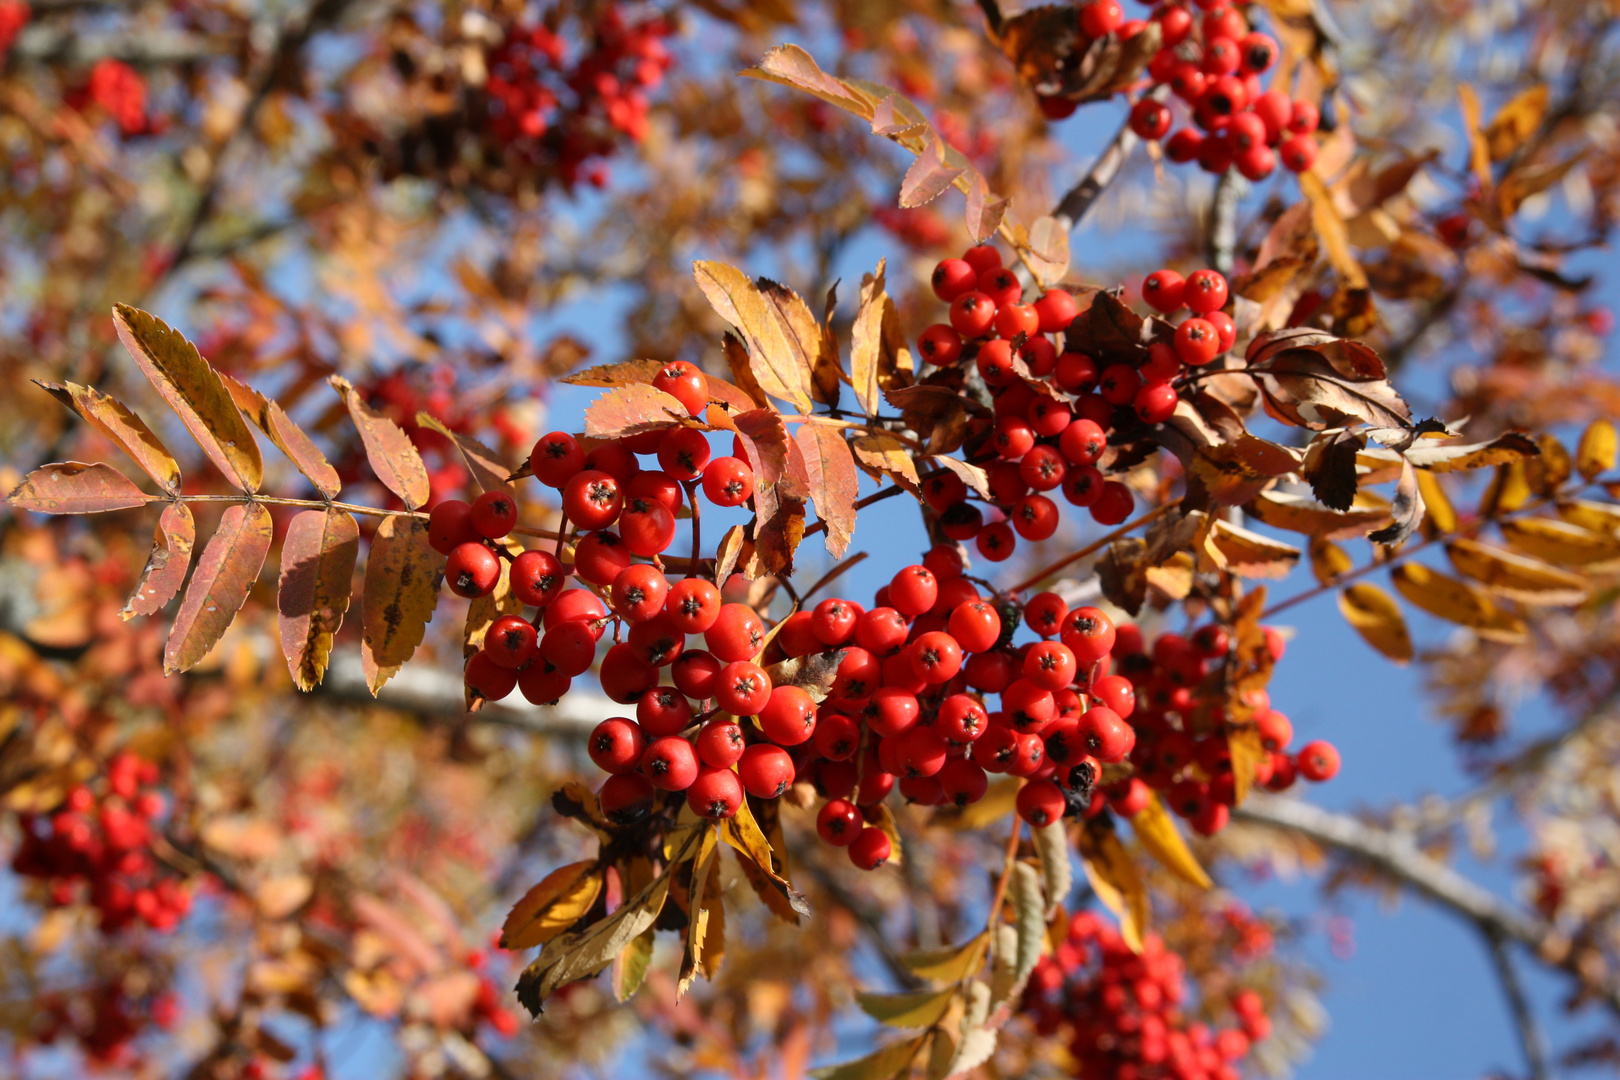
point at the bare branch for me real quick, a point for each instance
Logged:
(1524, 1020)
(1073, 206)
(1223, 231)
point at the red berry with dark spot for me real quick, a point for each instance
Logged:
(716, 794)
(472, 570)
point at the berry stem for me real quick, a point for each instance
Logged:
(1000, 895)
(1093, 547)
(693, 563)
(860, 504)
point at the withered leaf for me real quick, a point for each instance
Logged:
(317, 578)
(393, 457)
(269, 417)
(834, 485)
(121, 427)
(75, 487)
(226, 570)
(398, 597)
(166, 566)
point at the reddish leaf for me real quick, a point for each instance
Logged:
(1111, 333)
(628, 373)
(166, 566)
(398, 597)
(928, 176)
(122, 428)
(486, 466)
(227, 569)
(270, 418)
(1230, 474)
(392, 455)
(779, 494)
(317, 579)
(74, 487)
(833, 483)
(194, 391)
(1314, 380)
(631, 410)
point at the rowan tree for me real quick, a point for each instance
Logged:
(463, 605)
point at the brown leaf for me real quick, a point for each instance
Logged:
(1057, 60)
(807, 339)
(1122, 573)
(194, 391)
(398, 597)
(317, 580)
(270, 418)
(1331, 230)
(392, 455)
(1442, 457)
(1330, 468)
(940, 413)
(1377, 618)
(1230, 474)
(632, 410)
(122, 428)
(984, 211)
(1406, 511)
(779, 491)
(1313, 380)
(929, 175)
(1110, 332)
(880, 361)
(1223, 546)
(227, 569)
(972, 475)
(166, 566)
(626, 373)
(780, 371)
(1328, 560)
(884, 455)
(732, 549)
(486, 466)
(1296, 513)
(74, 487)
(834, 485)
(743, 833)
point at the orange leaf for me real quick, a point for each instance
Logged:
(74, 487)
(166, 566)
(392, 455)
(317, 579)
(270, 418)
(122, 428)
(228, 567)
(398, 597)
(195, 392)
(833, 482)
(631, 410)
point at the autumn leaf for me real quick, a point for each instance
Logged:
(392, 455)
(949, 963)
(1233, 473)
(834, 485)
(880, 360)
(1516, 121)
(121, 427)
(912, 1009)
(1596, 452)
(74, 487)
(166, 566)
(560, 900)
(624, 373)
(1115, 879)
(1298, 513)
(1224, 546)
(743, 833)
(194, 391)
(883, 1064)
(1560, 543)
(488, 470)
(1405, 510)
(1455, 601)
(632, 410)
(269, 417)
(226, 570)
(1157, 831)
(317, 579)
(1377, 618)
(780, 370)
(398, 597)
(929, 175)
(884, 455)
(1314, 380)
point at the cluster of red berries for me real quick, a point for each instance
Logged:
(1183, 749)
(99, 847)
(1124, 1010)
(576, 112)
(104, 1020)
(1211, 60)
(117, 89)
(14, 15)
(1054, 408)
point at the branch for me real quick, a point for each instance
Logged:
(151, 48)
(1397, 857)
(1072, 208)
(1223, 232)
(1524, 1020)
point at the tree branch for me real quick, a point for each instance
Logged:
(1073, 206)
(43, 44)
(1223, 232)
(1524, 1020)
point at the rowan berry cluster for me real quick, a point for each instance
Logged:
(97, 847)
(1211, 60)
(1183, 750)
(540, 102)
(1054, 406)
(14, 15)
(1125, 1010)
(119, 91)
(104, 1020)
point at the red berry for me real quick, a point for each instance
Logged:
(600, 557)
(1106, 737)
(510, 641)
(491, 680)
(683, 453)
(1186, 144)
(656, 485)
(626, 676)
(716, 794)
(617, 459)
(536, 577)
(639, 592)
(953, 277)
(976, 626)
(1049, 665)
(695, 673)
(1150, 119)
(1101, 18)
(626, 798)
(882, 630)
(765, 771)
(1056, 310)
(1197, 342)
(720, 744)
(1156, 402)
(913, 590)
(833, 621)
(742, 688)
(472, 570)
(692, 605)
(493, 514)
(1113, 505)
(1116, 692)
(891, 710)
(647, 526)
(837, 736)
(1221, 56)
(840, 822)
(1001, 286)
(1303, 118)
(556, 458)
(940, 345)
(937, 657)
(1162, 363)
(663, 710)
(972, 314)
(1119, 383)
(450, 526)
(737, 633)
(685, 383)
(788, 716)
(996, 542)
(982, 257)
(1040, 803)
(616, 745)
(1206, 291)
(1298, 154)
(870, 848)
(669, 764)
(1318, 761)
(1014, 319)
(592, 499)
(1075, 372)
(1035, 517)
(728, 481)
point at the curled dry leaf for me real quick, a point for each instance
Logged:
(1058, 60)
(195, 392)
(398, 597)
(75, 487)
(121, 427)
(1233, 473)
(226, 570)
(1405, 511)
(317, 579)
(1224, 546)
(1313, 380)
(884, 455)
(392, 455)
(1377, 618)
(1301, 514)
(166, 566)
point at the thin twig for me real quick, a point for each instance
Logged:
(1093, 547)
(1524, 1019)
(1074, 205)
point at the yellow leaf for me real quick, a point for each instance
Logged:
(397, 598)
(1244, 742)
(714, 940)
(1157, 831)
(1442, 516)
(742, 832)
(1328, 560)
(949, 964)
(559, 901)
(697, 921)
(1516, 122)
(1599, 517)
(630, 966)
(780, 370)
(1378, 619)
(885, 1064)
(1479, 154)
(1115, 880)
(1597, 450)
(879, 358)
(1526, 580)
(1223, 546)
(1331, 229)
(1455, 601)
(1560, 542)
(916, 1009)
